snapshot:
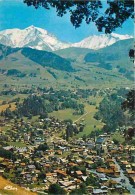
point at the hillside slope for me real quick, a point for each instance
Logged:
(47, 59)
(115, 52)
(68, 68)
(16, 190)
(114, 56)
(44, 58)
(74, 53)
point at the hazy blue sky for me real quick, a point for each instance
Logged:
(15, 14)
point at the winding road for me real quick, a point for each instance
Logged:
(122, 176)
(126, 182)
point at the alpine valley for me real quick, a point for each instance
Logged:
(34, 56)
(66, 114)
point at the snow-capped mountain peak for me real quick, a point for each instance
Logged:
(121, 37)
(41, 39)
(33, 37)
(101, 41)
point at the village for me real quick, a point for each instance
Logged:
(44, 158)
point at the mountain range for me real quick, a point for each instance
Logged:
(35, 57)
(40, 39)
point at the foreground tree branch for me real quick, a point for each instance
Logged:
(115, 14)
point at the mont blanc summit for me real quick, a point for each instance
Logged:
(32, 37)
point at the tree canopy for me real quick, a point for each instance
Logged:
(108, 18)
(56, 189)
(129, 103)
(110, 112)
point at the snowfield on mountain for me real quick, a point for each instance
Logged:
(40, 39)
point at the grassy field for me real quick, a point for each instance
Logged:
(65, 114)
(88, 118)
(17, 144)
(3, 107)
(90, 122)
(118, 137)
(11, 97)
(19, 191)
(90, 74)
(8, 98)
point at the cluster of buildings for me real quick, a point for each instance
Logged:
(103, 166)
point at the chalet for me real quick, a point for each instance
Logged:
(34, 179)
(73, 164)
(114, 151)
(124, 163)
(61, 174)
(89, 189)
(78, 174)
(99, 191)
(78, 161)
(103, 179)
(130, 173)
(113, 183)
(104, 187)
(89, 164)
(128, 167)
(66, 184)
(19, 169)
(48, 175)
(59, 152)
(48, 152)
(93, 152)
(107, 171)
(46, 167)
(28, 177)
(38, 141)
(26, 137)
(23, 165)
(31, 167)
(63, 148)
(109, 160)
